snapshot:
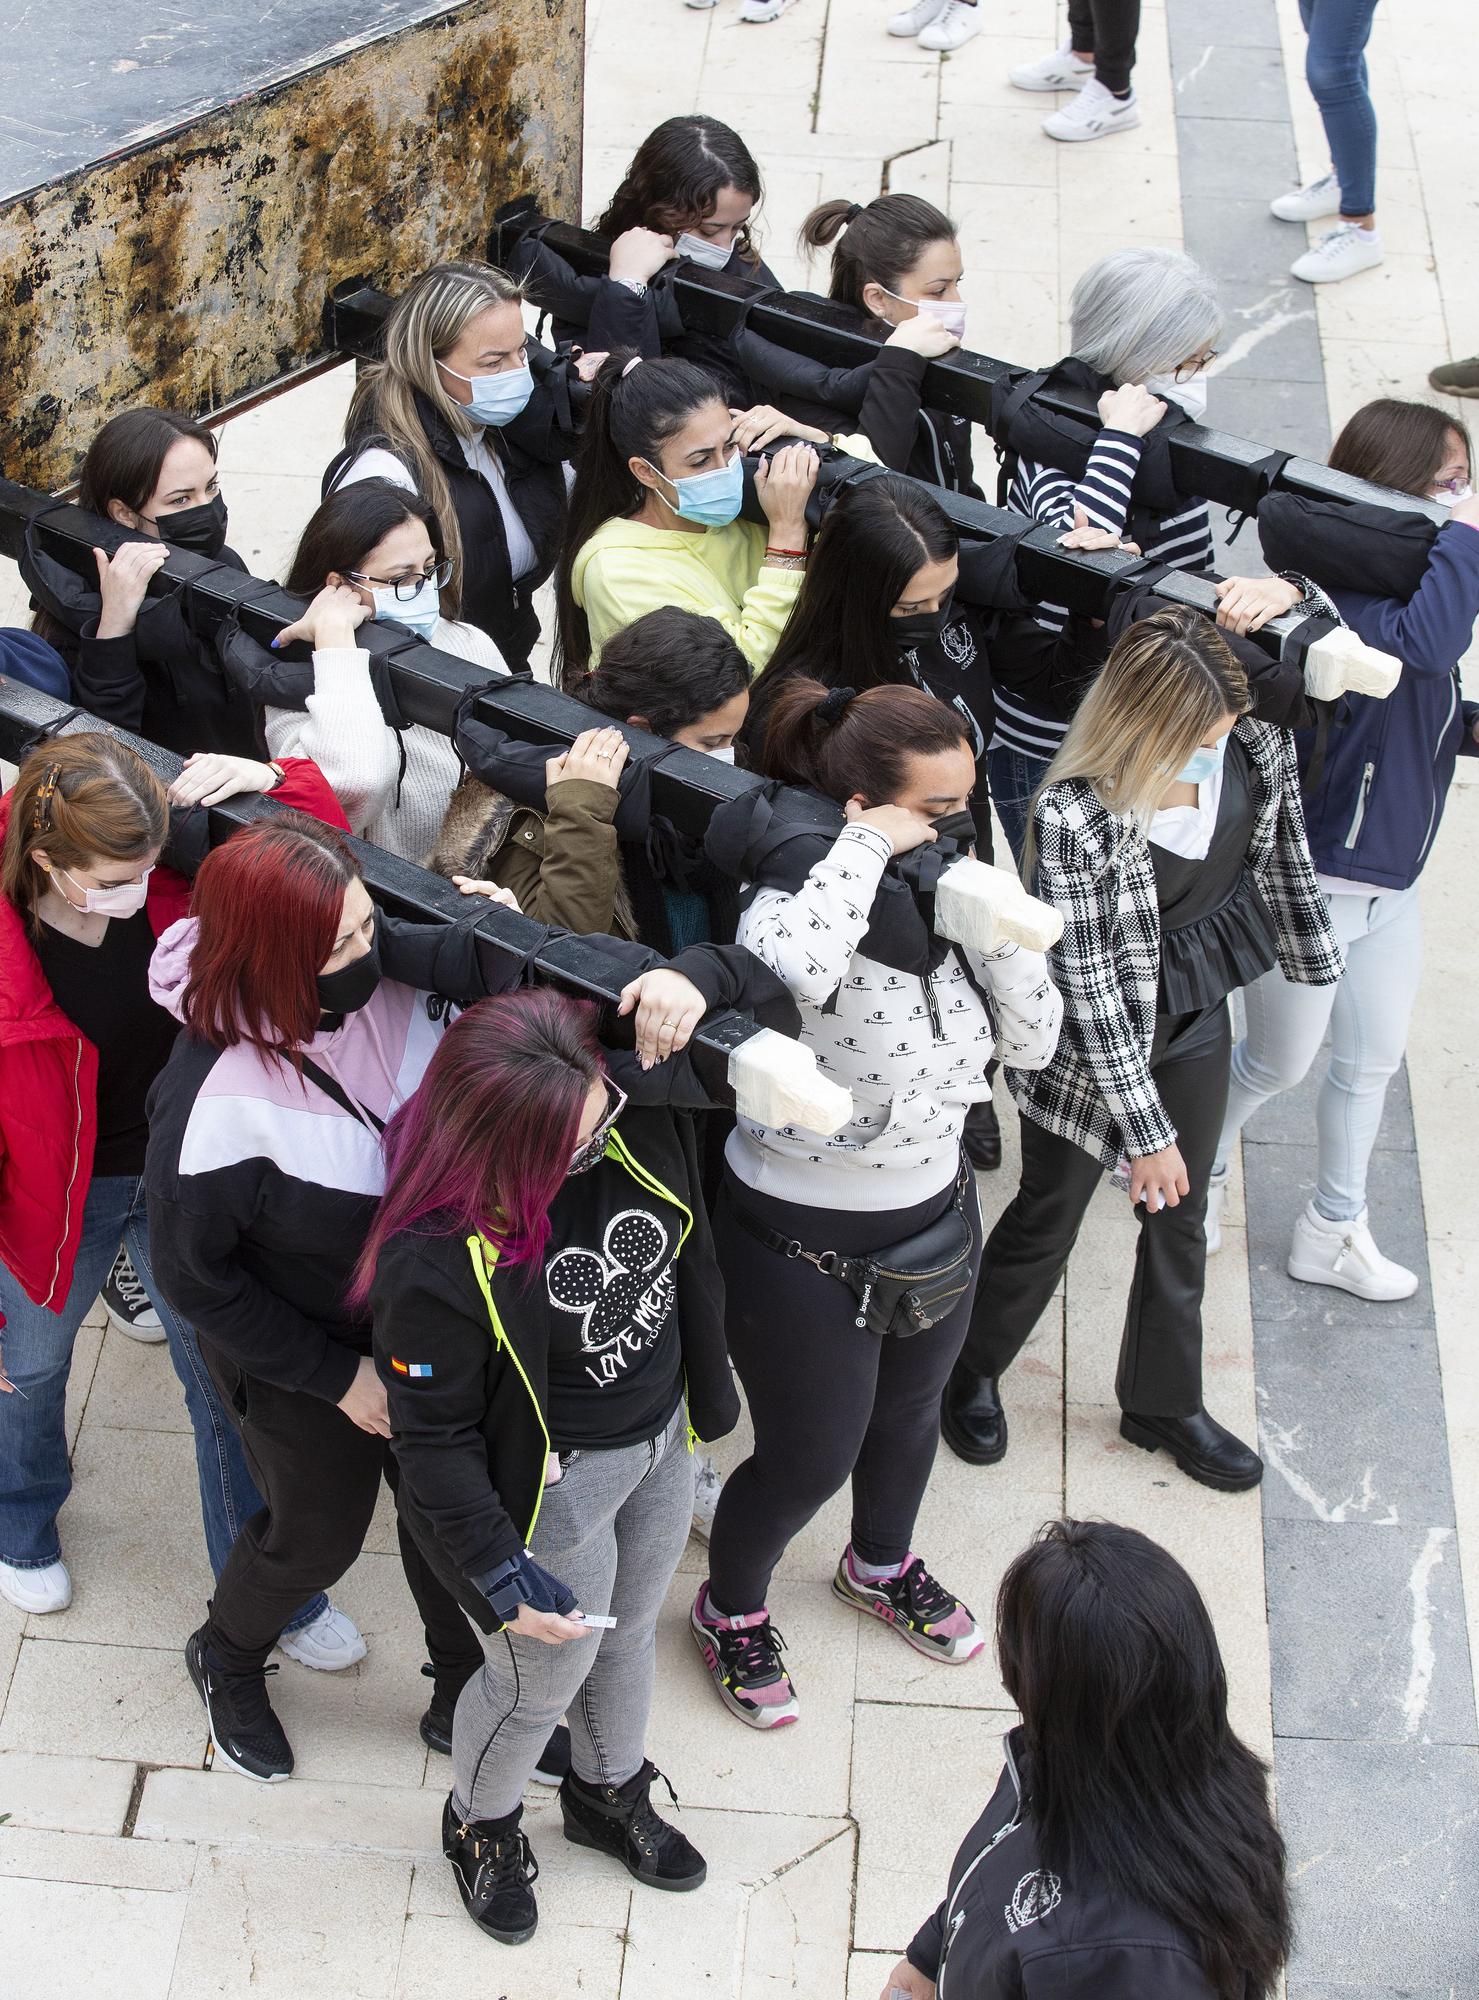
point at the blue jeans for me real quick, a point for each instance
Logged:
(1013, 779)
(36, 1347)
(1335, 70)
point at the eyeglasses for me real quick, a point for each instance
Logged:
(406, 587)
(1189, 370)
(1458, 484)
(592, 1149)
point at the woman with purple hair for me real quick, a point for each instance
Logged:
(549, 1327)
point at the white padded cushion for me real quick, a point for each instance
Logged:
(776, 1082)
(984, 907)
(1340, 663)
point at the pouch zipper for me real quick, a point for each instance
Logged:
(1360, 813)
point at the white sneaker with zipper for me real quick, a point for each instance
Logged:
(1343, 1254)
(1212, 1226)
(953, 26)
(1060, 71)
(1311, 203)
(36, 1590)
(706, 1493)
(912, 19)
(1096, 113)
(1340, 253)
(329, 1644)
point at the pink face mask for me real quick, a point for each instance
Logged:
(124, 899)
(949, 312)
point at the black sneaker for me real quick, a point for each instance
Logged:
(496, 1872)
(619, 1820)
(127, 1304)
(247, 1735)
(554, 1759)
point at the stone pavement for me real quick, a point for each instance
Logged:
(129, 1870)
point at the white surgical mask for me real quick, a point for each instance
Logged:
(420, 612)
(1446, 497)
(124, 899)
(1191, 396)
(724, 756)
(949, 312)
(712, 256)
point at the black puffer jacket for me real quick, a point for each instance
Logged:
(1011, 1929)
(531, 449)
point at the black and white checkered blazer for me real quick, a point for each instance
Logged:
(1095, 866)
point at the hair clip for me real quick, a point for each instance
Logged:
(635, 362)
(45, 793)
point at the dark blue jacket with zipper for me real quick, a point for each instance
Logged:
(1389, 765)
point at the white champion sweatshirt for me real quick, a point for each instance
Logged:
(913, 1070)
(349, 739)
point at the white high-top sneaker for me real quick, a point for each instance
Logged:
(36, 1590)
(1343, 1254)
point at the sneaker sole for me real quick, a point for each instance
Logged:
(222, 1754)
(1082, 138)
(1075, 82)
(1308, 1275)
(578, 1837)
(924, 1646)
(751, 1717)
(1131, 1432)
(325, 1666)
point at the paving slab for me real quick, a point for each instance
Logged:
(118, 1942)
(1226, 84)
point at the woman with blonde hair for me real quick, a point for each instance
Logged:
(1170, 834)
(455, 413)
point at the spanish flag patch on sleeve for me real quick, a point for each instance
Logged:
(414, 1369)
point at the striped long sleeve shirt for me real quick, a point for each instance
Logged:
(1183, 540)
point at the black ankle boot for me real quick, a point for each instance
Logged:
(436, 1724)
(1203, 1449)
(495, 1872)
(972, 1420)
(619, 1820)
(982, 1136)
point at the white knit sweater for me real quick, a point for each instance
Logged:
(345, 734)
(912, 1072)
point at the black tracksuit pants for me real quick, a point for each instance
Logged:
(1160, 1367)
(1109, 28)
(828, 1399)
(319, 1477)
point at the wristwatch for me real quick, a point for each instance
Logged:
(636, 286)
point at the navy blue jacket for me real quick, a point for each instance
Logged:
(1388, 766)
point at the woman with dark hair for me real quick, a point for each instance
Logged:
(691, 193)
(83, 896)
(135, 660)
(1170, 836)
(558, 833)
(1130, 1841)
(851, 1400)
(371, 551)
(461, 412)
(1377, 789)
(549, 1329)
(654, 513)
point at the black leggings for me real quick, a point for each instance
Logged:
(319, 1476)
(827, 1398)
(1109, 28)
(1160, 1367)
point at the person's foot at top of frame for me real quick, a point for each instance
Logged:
(938, 24)
(1354, 244)
(757, 12)
(1105, 100)
(1456, 378)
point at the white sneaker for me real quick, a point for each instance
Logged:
(1060, 71)
(701, 4)
(1094, 114)
(330, 1644)
(127, 1304)
(953, 26)
(1306, 204)
(912, 19)
(1216, 1196)
(1343, 1254)
(1340, 253)
(36, 1590)
(706, 1496)
(758, 12)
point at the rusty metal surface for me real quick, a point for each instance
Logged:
(191, 270)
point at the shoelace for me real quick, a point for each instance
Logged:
(126, 1283)
(755, 1652)
(926, 1597)
(500, 1864)
(248, 1697)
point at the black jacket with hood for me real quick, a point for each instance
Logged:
(463, 1346)
(161, 680)
(1011, 1929)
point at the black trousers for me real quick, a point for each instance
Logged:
(1160, 1367)
(828, 1399)
(1109, 28)
(319, 1477)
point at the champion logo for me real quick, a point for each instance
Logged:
(1036, 1896)
(415, 1369)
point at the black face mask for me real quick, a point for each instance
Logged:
(201, 530)
(959, 827)
(923, 628)
(353, 985)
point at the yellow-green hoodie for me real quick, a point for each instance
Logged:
(627, 569)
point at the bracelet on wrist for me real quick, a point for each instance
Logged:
(771, 549)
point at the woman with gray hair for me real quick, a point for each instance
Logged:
(1144, 326)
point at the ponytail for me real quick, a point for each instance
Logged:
(840, 743)
(879, 244)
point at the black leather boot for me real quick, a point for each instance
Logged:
(495, 1872)
(1201, 1448)
(619, 1820)
(972, 1420)
(982, 1137)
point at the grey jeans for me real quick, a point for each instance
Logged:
(613, 1529)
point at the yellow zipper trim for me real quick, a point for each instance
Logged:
(484, 1257)
(617, 1148)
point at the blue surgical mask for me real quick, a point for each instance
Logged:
(1203, 763)
(710, 498)
(497, 399)
(420, 612)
